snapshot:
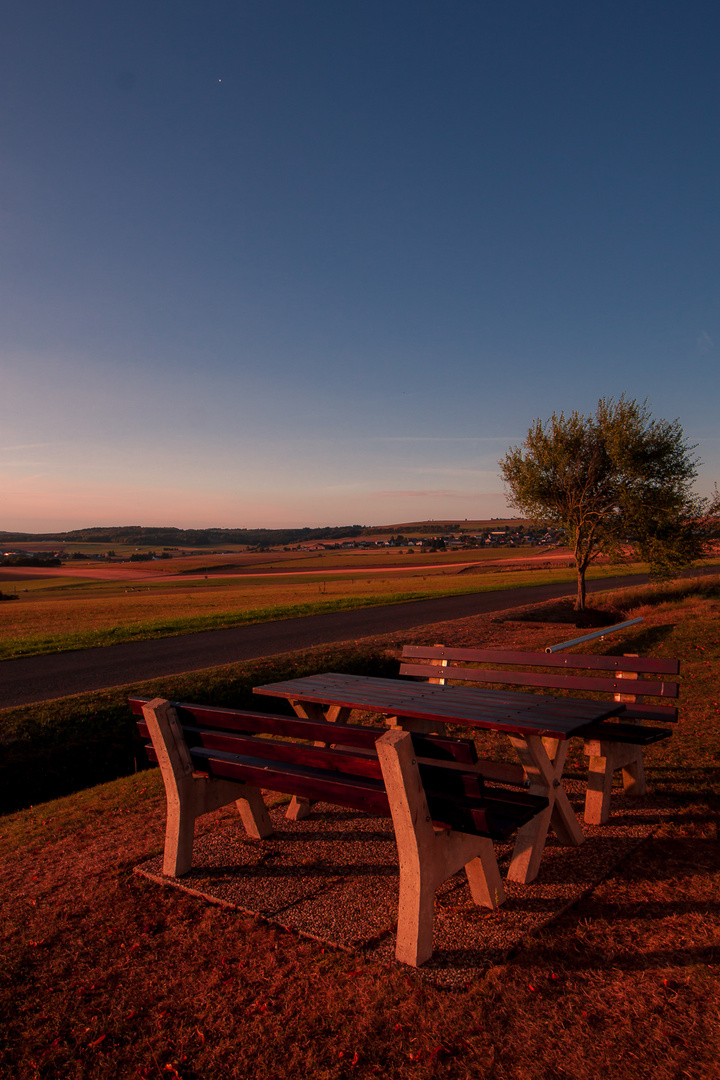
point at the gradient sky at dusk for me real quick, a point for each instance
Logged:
(271, 262)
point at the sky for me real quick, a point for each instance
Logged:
(280, 263)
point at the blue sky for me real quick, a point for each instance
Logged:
(307, 263)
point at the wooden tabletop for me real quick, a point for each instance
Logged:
(497, 710)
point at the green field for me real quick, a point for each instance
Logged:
(55, 614)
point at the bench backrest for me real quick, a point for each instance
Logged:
(337, 763)
(626, 678)
(239, 722)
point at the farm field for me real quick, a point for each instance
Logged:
(106, 975)
(251, 562)
(53, 613)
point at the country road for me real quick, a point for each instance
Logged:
(31, 679)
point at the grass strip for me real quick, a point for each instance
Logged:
(55, 747)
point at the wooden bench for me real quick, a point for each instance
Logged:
(610, 745)
(444, 815)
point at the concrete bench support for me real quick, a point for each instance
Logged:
(605, 758)
(191, 794)
(427, 856)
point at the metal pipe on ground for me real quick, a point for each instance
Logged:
(591, 637)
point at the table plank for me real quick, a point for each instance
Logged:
(498, 710)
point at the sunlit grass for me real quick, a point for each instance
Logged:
(57, 614)
(104, 613)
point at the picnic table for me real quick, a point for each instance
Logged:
(538, 727)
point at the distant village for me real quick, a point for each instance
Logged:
(506, 536)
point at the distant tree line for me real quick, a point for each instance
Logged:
(27, 560)
(166, 537)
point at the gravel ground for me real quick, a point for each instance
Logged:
(334, 878)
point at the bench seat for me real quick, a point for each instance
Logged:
(630, 734)
(445, 815)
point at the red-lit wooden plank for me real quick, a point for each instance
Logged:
(556, 660)
(593, 684)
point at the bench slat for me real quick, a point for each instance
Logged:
(515, 808)
(641, 664)
(276, 750)
(496, 819)
(662, 714)
(633, 734)
(292, 779)
(359, 736)
(435, 778)
(639, 687)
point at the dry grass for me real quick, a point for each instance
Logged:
(108, 976)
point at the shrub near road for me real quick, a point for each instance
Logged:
(108, 976)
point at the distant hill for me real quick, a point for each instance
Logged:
(448, 525)
(169, 537)
(165, 536)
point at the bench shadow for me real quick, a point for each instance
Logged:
(656, 772)
(308, 870)
(473, 962)
(326, 836)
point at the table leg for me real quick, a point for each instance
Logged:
(312, 710)
(543, 761)
(299, 808)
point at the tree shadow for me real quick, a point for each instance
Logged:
(563, 611)
(643, 640)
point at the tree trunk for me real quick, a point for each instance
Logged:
(580, 604)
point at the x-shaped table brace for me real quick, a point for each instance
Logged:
(299, 807)
(543, 761)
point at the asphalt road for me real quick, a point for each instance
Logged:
(29, 679)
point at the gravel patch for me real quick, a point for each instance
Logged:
(334, 878)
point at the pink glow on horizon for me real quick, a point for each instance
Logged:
(41, 503)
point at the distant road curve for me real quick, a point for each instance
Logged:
(29, 679)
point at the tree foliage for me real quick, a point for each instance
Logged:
(616, 478)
